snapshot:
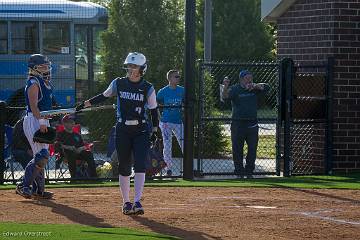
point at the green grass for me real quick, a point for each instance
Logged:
(350, 181)
(266, 146)
(73, 232)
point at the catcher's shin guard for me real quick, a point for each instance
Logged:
(35, 167)
(31, 172)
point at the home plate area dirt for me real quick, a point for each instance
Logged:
(201, 213)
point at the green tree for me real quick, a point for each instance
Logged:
(238, 33)
(152, 27)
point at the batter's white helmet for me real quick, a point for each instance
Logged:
(137, 59)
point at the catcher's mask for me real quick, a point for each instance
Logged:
(39, 65)
(137, 59)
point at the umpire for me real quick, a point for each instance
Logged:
(244, 127)
(134, 96)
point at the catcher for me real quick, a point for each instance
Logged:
(38, 97)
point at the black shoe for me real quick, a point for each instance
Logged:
(23, 191)
(42, 195)
(239, 173)
(249, 175)
(128, 208)
(169, 173)
(138, 209)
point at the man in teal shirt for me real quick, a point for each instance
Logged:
(244, 127)
(171, 97)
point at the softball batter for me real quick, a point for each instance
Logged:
(134, 96)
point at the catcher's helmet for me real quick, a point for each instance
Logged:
(137, 59)
(37, 59)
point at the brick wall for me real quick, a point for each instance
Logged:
(311, 31)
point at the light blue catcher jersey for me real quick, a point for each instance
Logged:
(45, 94)
(171, 97)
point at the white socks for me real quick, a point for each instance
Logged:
(139, 181)
(124, 183)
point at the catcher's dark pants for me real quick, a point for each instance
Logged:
(132, 139)
(85, 156)
(244, 132)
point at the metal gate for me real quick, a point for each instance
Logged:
(213, 136)
(305, 117)
(294, 118)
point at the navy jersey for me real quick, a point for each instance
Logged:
(132, 98)
(45, 94)
(244, 102)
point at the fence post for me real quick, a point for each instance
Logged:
(200, 115)
(329, 112)
(287, 77)
(2, 140)
(189, 90)
(280, 118)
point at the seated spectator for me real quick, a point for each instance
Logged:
(73, 147)
(20, 147)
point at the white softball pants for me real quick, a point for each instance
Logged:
(167, 129)
(30, 126)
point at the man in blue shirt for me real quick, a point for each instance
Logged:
(171, 97)
(244, 127)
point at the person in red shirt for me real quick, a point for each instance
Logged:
(73, 147)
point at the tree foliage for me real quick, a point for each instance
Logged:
(152, 27)
(238, 33)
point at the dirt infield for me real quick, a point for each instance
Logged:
(202, 213)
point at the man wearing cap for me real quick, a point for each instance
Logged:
(244, 127)
(74, 148)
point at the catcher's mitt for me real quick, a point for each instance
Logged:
(47, 137)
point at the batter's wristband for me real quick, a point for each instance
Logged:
(42, 121)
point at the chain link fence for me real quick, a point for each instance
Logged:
(214, 153)
(309, 120)
(97, 129)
